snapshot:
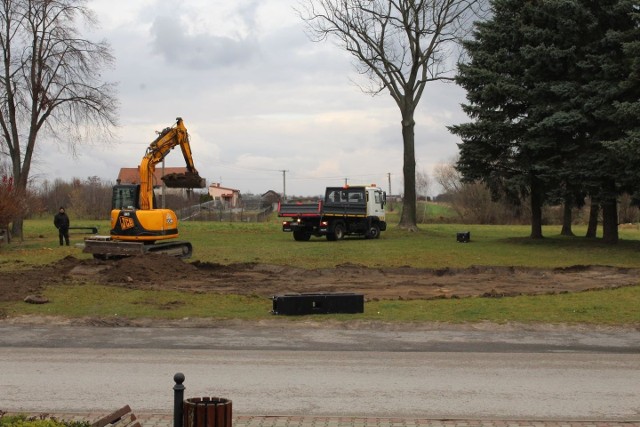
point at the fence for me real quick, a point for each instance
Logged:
(216, 211)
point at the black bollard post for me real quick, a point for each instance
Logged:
(178, 398)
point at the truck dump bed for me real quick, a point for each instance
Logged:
(344, 209)
(299, 209)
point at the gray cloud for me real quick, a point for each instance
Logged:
(171, 40)
(257, 97)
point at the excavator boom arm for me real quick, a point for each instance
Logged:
(168, 139)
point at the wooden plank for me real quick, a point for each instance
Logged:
(126, 420)
(112, 417)
(188, 413)
(220, 418)
(211, 415)
(201, 414)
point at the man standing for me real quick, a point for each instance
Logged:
(61, 221)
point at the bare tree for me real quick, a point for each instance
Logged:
(11, 202)
(50, 81)
(400, 45)
(423, 184)
(91, 198)
(472, 201)
(54, 194)
(448, 176)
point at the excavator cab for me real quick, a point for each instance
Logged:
(125, 196)
(130, 223)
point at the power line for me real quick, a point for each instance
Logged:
(298, 178)
(340, 177)
(246, 168)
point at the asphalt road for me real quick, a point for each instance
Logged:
(434, 373)
(319, 337)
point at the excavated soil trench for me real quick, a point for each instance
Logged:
(166, 273)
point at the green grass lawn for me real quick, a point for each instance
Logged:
(610, 307)
(434, 246)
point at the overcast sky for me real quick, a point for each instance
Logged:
(257, 97)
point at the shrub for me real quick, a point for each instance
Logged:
(24, 421)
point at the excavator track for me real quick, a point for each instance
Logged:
(178, 249)
(104, 247)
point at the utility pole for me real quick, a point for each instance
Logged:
(163, 187)
(284, 185)
(389, 179)
(346, 182)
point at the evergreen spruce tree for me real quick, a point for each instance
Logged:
(609, 91)
(546, 81)
(521, 86)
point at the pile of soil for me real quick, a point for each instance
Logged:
(168, 273)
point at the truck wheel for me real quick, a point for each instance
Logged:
(301, 236)
(338, 231)
(373, 232)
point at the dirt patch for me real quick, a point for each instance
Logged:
(167, 273)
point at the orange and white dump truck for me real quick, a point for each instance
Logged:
(349, 210)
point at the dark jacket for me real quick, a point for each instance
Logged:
(61, 221)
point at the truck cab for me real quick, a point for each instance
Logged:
(372, 198)
(348, 210)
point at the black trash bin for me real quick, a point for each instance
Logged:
(206, 412)
(318, 303)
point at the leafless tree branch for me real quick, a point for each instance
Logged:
(400, 45)
(51, 79)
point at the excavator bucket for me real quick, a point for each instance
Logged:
(184, 180)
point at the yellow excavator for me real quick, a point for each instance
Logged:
(137, 225)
